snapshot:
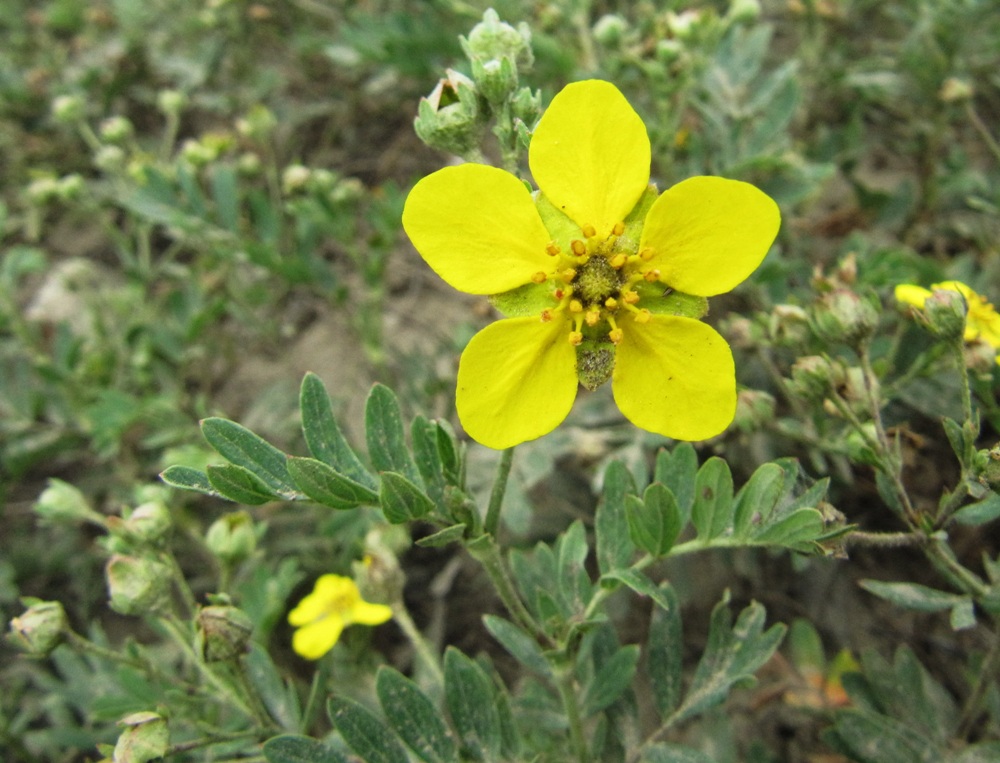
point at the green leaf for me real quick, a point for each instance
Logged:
(757, 498)
(280, 698)
(385, 436)
(239, 485)
(912, 595)
(712, 511)
(401, 500)
(469, 695)
(956, 437)
(611, 681)
(873, 738)
(226, 196)
(298, 749)
(666, 652)
(187, 478)
(325, 486)
(243, 448)
(442, 537)
(655, 521)
(614, 546)
(984, 752)
(414, 718)
(677, 471)
(673, 753)
(798, 530)
(963, 615)
(639, 583)
(980, 512)
(364, 732)
(522, 647)
(323, 436)
(428, 457)
(571, 555)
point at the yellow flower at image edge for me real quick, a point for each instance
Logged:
(320, 617)
(982, 322)
(598, 275)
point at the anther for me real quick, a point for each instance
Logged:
(546, 315)
(616, 335)
(558, 294)
(553, 249)
(575, 337)
(647, 253)
(568, 275)
(539, 277)
(619, 228)
(592, 317)
(589, 231)
(579, 248)
(630, 297)
(575, 306)
(611, 303)
(618, 260)
(652, 275)
(642, 315)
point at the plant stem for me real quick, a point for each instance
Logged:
(492, 522)
(486, 551)
(313, 702)
(984, 677)
(885, 540)
(416, 638)
(567, 693)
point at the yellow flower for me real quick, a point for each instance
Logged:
(334, 603)
(598, 276)
(982, 322)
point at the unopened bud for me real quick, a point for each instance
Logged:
(62, 502)
(69, 109)
(258, 124)
(109, 158)
(295, 178)
(859, 445)
(493, 39)
(682, 25)
(41, 628)
(814, 377)
(496, 79)
(744, 11)
(223, 633)
(136, 585)
(527, 106)
(754, 409)
(844, 316)
(449, 119)
(669, 50)
(955, 89)
(789, 325)
(944, 311)
(990, 467)
(149, 523)
(232, 537)
(198, 153)
(610, 29)
(145, 737)
(116, 129)
(171, 102)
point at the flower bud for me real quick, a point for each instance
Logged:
(145, 738)
(944, 312)
(69, 109)
(844, 316)
(62, 502)
(379, 577)
(744, 11)
(814, 377)
(69, 186)
(956, 89)
(347, 191)
(42, 190)
(789, 325)
(223, 633)
(496, 79)
(294, 178)
(754, 409)
(41, 628)
(249, 164)
(109, 158)
(859, 447)
(990, 467)
(980, 357)
(232, 538)
(668, 51)
(149, 523)
(116, 129)
(171, 102)
(493, 39)
(258, 124)
(198, 153)
(527, 106)
(136, 585)
(449, 119)
(682, 25)
(610, 29)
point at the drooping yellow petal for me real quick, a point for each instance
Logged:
(676, 377)
(366, 613)
(912, 295)
(590, 154)
(327, 591)
(477, 227)
(708, 234)
(516, 381)
(316, 639)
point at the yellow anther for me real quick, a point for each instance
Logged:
(553, 249)
(630, 297)
(619, 228)
(575, 337)
(647, 253)
(592, 317)
(546, 315)
(539, 277)
(616, 335)
(642, 315)
(618, 260)
(575, 306)
(558, 294)
(568, 275)
(652, 275)
(589, 231)
(579, 248)
(611, 303)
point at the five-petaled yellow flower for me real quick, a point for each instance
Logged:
(598, 276)
(320, 617)
(981, 321)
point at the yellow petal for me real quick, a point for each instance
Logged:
(590, 154)
(516, 381)
(366, 613)
(330, 594)
(316, 639)
(912, 295)
(709, 234)
(477, 227)
(675, 376)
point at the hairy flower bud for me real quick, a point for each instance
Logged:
(116, 129)
(945, 311)
(744, 11)
(232, 538)
(844, 316)
(149, 523)
(62, 502)
(145, 737)
(990, 467)
(69, 109)
(171, 102)
(754, 408)
(496, 79)
(136, 585)
(814, 377)
(223, 633)
(449, 119)
(41, 628)
(493, 39)
(610, 29)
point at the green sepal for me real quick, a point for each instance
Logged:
(660, 300)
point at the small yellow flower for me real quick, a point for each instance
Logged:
(982, 322)
(598, 276)
(334, 603)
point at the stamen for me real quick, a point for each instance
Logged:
(575, 337)
(568, 275)
(575, 306)
(546, 315)
(558, 294)
(589, 231)
(630, 297)
(619, 228)
(647, 253)
(616, 334)
(642, 315)
(611, 303)
(619, 260)
(553, 249)
(539, 277)
(652, 275)
(593, 316)
(579, 248)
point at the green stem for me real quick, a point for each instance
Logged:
(416, 638)
(567, 693)
(486, 551)
(492, 522)
(885, 540)
(218, 738)
(314, 702)
(983, 680)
